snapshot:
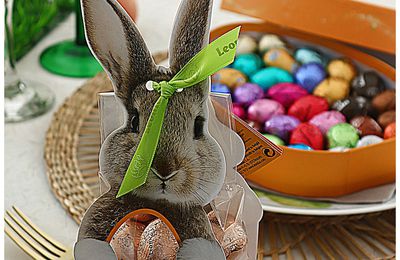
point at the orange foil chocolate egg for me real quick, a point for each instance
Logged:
(280, 58)
(229, 77)
(390, 131)
(332, 89)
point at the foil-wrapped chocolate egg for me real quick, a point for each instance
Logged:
(309, 75)
(339, 149)
(268, 77)
(247, 93)
(300, 147)
(386, 118)
(342, 135)
(276, 140)
(229, 77)
(248, 64)
(332, 89)
(308, 134)
(385, 101)
(281, 125)
(263, 109)
(366, 126)
(368, 140)
(390, 131)
(341, 68)
(280, 58)
(307, 107)
(255, 124)
(367, 84)
(220, 88)
(246, 44)
(286, 93)
(355, 106)
(305, 55)
(325, 120)
(269, 41)
(239, 111)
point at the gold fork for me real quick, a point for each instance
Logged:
(33, 241)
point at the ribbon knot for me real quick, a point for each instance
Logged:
(166, 89)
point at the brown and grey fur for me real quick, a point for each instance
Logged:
(199, 164)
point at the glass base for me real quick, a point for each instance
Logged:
(26, 100)
(71, 60)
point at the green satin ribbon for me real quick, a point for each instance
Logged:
(209, 60)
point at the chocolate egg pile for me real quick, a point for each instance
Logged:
(301, 98)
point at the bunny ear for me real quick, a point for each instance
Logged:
(117, 44)
(190, 33)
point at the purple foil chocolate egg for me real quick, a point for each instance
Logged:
(247, 94)
(286, 93)
(238, 110)
(281, 125)
(309, 75)
(263, 109)
(325, 120)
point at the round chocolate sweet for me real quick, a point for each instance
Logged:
(280, 58)
(255, 124)
(220, 88)
(246, 44)
(247, 93)
(385, 101)
(263, 109)
(368, 140)
(238, 110)
(305, 55)
(307, 107)
(300, 147)
(366, 126)
(269, 41)
(386, 118)
(286, 93)
(276, 140)
(332, 89)
(390, 131)
(355, 106)
(342, 135)
(367, 84)
(268, 77)
(229, 77)
(281, 125)
(308, 134)
(248, 64)
(309, 75)
(341, 68)
(325, 120)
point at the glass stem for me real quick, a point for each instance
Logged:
(10, 72)
(80, 38)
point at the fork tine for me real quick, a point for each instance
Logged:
(17, 240)
(39, 231)
(44, 243)
(36, 247)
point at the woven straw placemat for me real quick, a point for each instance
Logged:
(71, 154)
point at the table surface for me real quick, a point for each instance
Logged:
(26, 184)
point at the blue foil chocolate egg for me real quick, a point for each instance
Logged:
(248, 63)
(220, 88)
(305, 55)
(270, 76)
(300, 147)
(309, 75)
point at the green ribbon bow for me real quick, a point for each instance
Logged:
(210, 59)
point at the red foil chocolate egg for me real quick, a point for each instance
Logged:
(308, 134)
(307, 107)
(286, 93)
(390, 131)
(238, 110)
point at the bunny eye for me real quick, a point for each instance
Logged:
(198, 127)
(135, 121)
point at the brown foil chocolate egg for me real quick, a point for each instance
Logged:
(386, 118)
(280, 58)
(385, 101)
(332, 89)
(341, 68)
(229, 77)
(367, 84)
(366, 126)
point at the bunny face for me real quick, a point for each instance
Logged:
(188, 166)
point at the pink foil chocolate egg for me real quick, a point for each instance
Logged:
(247, 94)
(263, 109)
(307, 107)
(327, 119)
(238, 110)
(286, 93)
(281, 125)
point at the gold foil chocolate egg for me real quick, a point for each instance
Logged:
(332, 89)
(126, 239)
(229, 77)
(246, 44)
(341, 68)
(157, 242)
(269, 41)
(278, 57)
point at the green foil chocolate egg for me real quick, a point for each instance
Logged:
(270, 76)
(343, 135)
(276, 140)
(305, 55)
(248, 63)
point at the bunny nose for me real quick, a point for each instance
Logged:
(161, 177)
